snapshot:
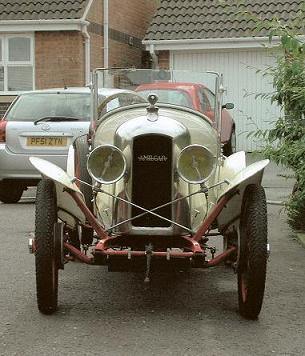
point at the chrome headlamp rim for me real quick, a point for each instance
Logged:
(201, 181)
(113, 147)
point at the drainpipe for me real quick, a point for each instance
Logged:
(106, 34)
(155, 62)
(87, 54)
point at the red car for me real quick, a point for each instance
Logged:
(197, 97)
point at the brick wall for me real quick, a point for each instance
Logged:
(96, 51)
(60, 56)
(130, 17)
(95, 13)
(123, 55)
(163, 59)
(95, 17)
(59, 59)
(128, 22)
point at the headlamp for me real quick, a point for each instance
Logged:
(106, 164)
(195, 164)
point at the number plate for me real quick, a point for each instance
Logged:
(47, 141)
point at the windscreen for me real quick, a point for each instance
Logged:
(132, 78)
(34, 106)
(161, 82)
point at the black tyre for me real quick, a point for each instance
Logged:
(253, 252)
(230, 147)
(80, 165)
(45, 256)
(10, 192)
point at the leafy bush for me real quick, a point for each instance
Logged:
(285, 142)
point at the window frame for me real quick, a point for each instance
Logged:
(5, 63)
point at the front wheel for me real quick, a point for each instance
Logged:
(45, 255)
(253, 252)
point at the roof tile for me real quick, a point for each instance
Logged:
(41, 9)
(195, 19)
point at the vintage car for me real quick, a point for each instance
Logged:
(198, 97)
(147, 190)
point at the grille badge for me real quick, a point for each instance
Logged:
(152, 158)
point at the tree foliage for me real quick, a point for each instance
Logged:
(285, 141)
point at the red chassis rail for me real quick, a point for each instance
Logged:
(103, 246)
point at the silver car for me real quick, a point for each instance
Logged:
(44, 123)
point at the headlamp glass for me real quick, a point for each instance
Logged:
(195, 164)
(106, 164)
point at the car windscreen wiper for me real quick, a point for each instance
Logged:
(56, 118)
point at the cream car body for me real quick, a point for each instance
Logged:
(119, 128)
(148, 188)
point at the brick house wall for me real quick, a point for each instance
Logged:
(60, 55)
(63, 53)
(131, 16)
(95, 17)
(163, 59)
(129, 20)
(59, 59)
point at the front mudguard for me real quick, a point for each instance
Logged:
(68, 211)
(239, 177)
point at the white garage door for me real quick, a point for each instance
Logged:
(242, 82)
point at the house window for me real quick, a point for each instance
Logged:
(16, 63)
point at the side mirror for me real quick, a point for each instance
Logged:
(228, 106)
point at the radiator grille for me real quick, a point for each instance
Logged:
(152, 178)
